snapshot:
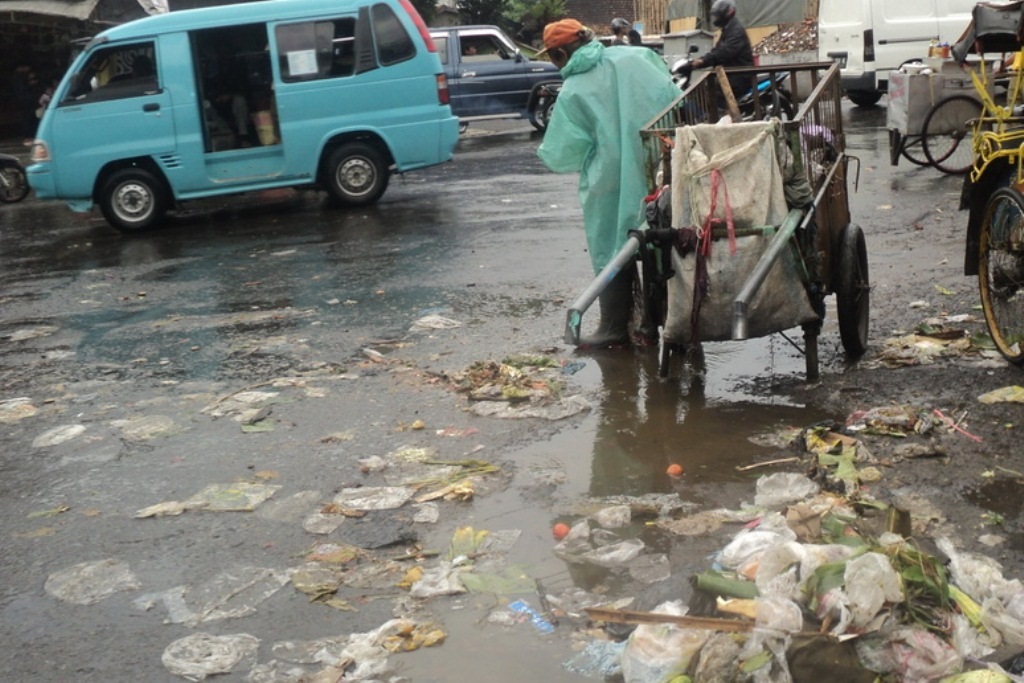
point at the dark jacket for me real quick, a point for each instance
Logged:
(732, 49)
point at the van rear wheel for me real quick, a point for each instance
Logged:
(357, 174)
(133, 199)
(864, 98)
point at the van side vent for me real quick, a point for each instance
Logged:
(366, 56)
(170, 161)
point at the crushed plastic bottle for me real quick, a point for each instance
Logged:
(538, 620)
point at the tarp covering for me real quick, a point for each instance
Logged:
(751, 12)
(68, 9)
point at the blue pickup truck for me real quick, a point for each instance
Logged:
(490, 78)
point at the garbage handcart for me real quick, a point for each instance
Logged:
(748, 224)
(931, 108)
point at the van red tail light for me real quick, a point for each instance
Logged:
(443, 96)
(869, 45)
(421, 25)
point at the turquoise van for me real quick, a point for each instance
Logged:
(328, 94)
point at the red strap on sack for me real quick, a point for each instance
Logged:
(718, 181)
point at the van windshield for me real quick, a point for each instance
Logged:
(113, 73)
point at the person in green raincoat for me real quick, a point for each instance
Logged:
(607, 96)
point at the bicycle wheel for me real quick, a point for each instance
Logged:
(1001, 272)
(947, 134)
(912, 150)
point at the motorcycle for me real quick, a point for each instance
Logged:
(13, 182)
(768, 96)
(547, 95)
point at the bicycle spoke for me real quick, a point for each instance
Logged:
(1001, 272)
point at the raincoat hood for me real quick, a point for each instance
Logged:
(584, 59)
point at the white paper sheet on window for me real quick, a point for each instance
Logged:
(302, 62)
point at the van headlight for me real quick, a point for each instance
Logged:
(40, 152)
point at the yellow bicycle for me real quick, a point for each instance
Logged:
(998, 143)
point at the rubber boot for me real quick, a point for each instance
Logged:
(616, 303)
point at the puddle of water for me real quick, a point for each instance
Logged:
(640, 424)
(1002, 496)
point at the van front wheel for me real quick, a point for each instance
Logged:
(357, 174)
(133, 199)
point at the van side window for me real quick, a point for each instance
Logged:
(393, 43)
(314, 50)
(114, 73)
(442, 49)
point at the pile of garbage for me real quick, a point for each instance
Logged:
(824, 580)
(796, 37)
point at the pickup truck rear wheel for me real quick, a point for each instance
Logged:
(133, 199)
(356, 174)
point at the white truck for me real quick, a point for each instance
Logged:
(870, 38)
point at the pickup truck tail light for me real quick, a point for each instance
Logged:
(443, 96)
(421, 25)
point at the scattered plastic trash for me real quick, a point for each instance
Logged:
(374, 497)
(238, 497)
(599, 659)
(199, 655)
(89, 582)
(145, 427)
(16, 409)
(434, 322)
(58, 435)
(776, 490)
(229, 595)
(1010, 394)
(660, 652)
(440, 580)
(539, 622)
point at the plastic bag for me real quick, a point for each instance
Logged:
(782, 488)
(656, 652)
(913, 654)
(870, 583)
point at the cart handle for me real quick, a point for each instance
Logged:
(753, 283)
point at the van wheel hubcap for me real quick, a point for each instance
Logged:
(133, 201)
(356, 176)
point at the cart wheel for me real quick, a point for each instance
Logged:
(1001, 272)
(853, 291)
(913, 150)
(948, 132)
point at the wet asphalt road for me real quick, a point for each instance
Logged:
(132, 339)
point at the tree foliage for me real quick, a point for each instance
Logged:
(483, 11)
(426, 8)
(531, 16)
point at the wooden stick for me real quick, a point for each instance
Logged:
(730, 98)
(766, 463)
(622, 616)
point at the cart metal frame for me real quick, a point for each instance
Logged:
(833, 251)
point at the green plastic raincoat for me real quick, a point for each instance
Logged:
(607, 97)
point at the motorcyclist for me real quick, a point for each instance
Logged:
(732, 49)
(624, 33)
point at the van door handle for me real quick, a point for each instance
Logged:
(151, 106)
(469, 74)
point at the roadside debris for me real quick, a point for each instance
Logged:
(199, 655)
(89, 582)
(238, 497)
(521, 386)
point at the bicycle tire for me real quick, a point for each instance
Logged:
(917, 155)
(947, 134)
(1001, 272)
